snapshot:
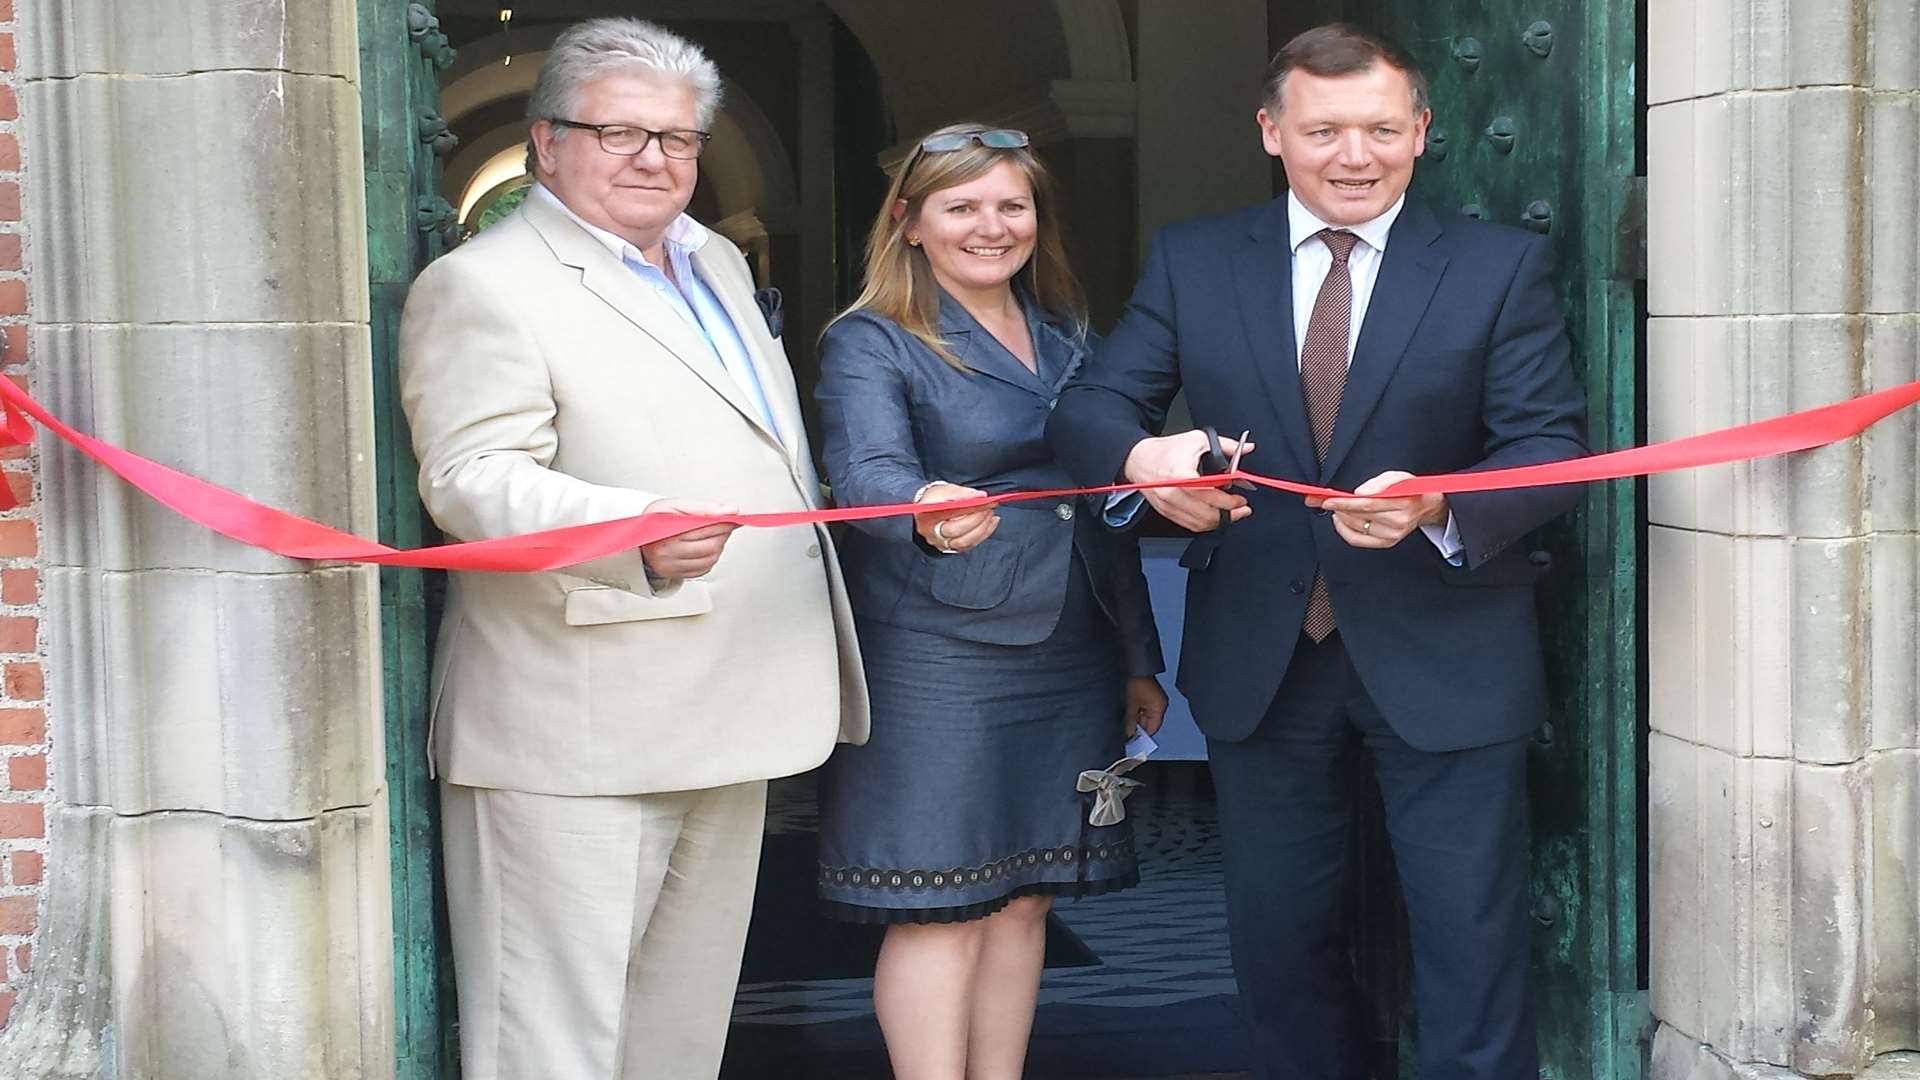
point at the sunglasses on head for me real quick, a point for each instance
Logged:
(994, 139)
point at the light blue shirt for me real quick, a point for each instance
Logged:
(693, 300)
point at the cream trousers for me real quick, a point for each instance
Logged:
(598, 938)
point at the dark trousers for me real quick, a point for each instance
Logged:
(1457, 823)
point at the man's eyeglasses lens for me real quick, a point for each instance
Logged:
(628, 141)
(996, 139)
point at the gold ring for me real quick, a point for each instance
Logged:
(1366, 526)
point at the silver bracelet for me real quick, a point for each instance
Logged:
(921, 491)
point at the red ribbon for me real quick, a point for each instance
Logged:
(240, 518)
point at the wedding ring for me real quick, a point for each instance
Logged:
(940, 533)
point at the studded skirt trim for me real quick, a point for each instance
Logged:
(1070, 890)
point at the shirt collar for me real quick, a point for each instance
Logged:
(683, 232)
(1302, 224)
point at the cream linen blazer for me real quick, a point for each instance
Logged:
(546, 385)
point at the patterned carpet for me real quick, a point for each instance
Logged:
(1158, 1000)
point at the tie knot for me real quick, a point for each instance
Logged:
(1340, 242)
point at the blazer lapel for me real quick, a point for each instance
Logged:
(607, 278)
(1263, 277)
(982, 352)
(1409, 272)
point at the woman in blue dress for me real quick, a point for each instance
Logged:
(1007, 649)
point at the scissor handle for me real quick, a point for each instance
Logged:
(1214, 462)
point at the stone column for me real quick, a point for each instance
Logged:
(218, 890)
(1783, 242)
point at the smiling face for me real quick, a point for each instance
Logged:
(978, 235)
(636, 197)
(1348, 141)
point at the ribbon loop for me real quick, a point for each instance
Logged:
(1110, 787)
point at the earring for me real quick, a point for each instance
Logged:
(913, 241)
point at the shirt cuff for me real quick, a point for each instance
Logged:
(1122, 507)
(1447, 539)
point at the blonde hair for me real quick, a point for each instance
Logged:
(899, 280)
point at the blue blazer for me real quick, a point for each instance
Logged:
(1463, 363)
(894, 416)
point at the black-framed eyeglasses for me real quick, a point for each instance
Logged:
(626, 140)
(992, 139)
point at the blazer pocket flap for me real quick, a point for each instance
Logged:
(597, 605)
(976, 580)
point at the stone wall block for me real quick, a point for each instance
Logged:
(1895, 45)
(1689, 207)
(271, 411)
(1760, 196)
(1673, 682)
(1719, 641)
(253, 954)
(1759, 32)
(1679, 1056)
(255, 695)
(1832, 818)
(1827, 43)
(1893, 190)
(1671, 74)
(1896, 898)
(1720, 838)
(1893, 445)
(83, 37)
(1690, 367)
(1827, 215)
(1677, 864)
(1825, 356)
(1831, 656)
(1895, 625)
(1765, 827)
(125, 184)
(1689, 55)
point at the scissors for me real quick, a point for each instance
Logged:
(1215, 462)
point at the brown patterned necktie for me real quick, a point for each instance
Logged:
(1323, 379)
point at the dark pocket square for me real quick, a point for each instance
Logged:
(768, 300)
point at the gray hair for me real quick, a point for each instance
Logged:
(618, 45)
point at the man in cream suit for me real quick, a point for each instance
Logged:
(604, 734)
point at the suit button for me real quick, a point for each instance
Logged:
(1296, 586)
(1323, 511)
(1065, 510)
(813, 551)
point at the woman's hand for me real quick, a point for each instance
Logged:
(954, 530)
(1146, 704)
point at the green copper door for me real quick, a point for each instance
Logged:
(408, 223)
(1534, 113)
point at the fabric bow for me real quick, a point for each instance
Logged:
(1110, 787)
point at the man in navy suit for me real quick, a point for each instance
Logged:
(1362, 338)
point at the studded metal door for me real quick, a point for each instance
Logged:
(402, 51)
(1535, 106)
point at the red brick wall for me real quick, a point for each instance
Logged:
(23, 718)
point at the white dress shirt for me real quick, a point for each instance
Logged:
(1312, 259)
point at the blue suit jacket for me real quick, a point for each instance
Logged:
(1462, 364)
(894, 416)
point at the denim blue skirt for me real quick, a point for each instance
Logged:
(965, 795)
